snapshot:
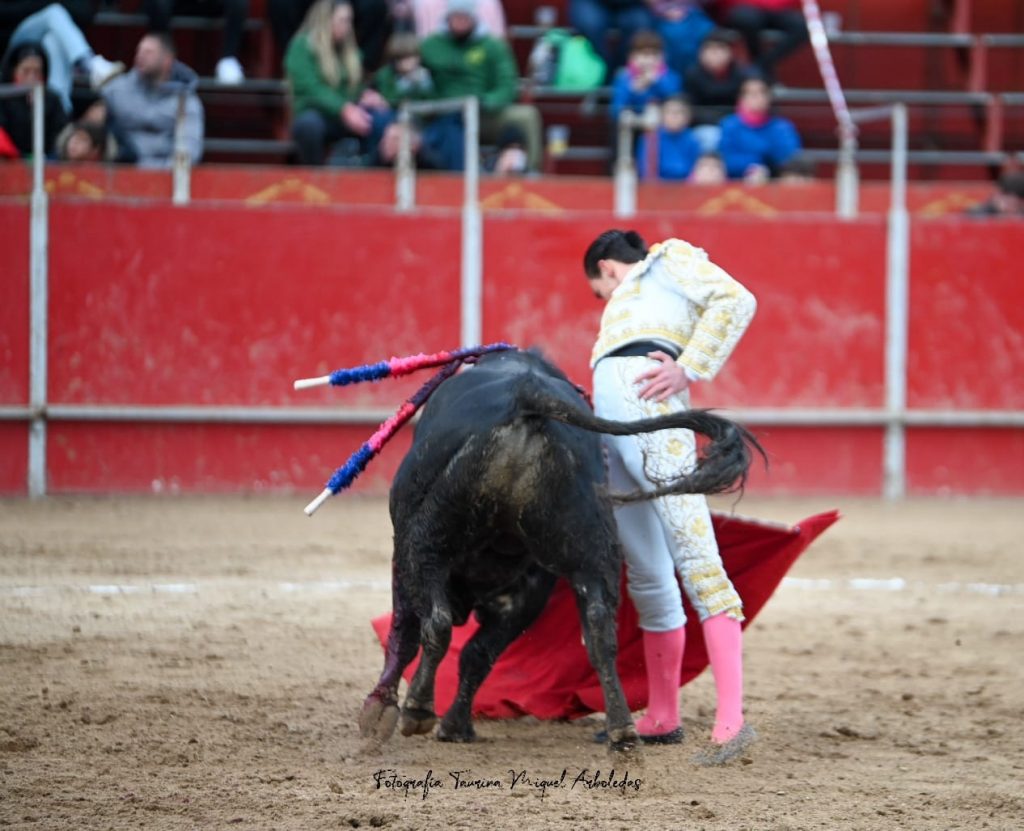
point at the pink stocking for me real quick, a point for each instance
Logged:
(723, 636)
(663, 654)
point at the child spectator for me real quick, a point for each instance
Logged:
(709, 170)
(1007, 201)
(82, 142)
(713, 86)
(755, 144)
(798, 170)
(437, 141)
(752, 17)
(676, 148)
(683, 25)
(510, 157)
(325, 76)
(403, 77)
(26, 64)
(94, 138)
(645, 78)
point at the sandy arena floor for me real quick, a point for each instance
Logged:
(199, 664)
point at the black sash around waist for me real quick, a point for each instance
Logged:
(640, 348)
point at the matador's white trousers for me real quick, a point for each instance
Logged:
(668, 535)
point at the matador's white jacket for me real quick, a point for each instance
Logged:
(677, 296)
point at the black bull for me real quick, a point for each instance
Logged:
(500, 494)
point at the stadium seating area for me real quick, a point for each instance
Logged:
(958, 65)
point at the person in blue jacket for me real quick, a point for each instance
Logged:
(755, 143)
(645, 78)
(675, 149)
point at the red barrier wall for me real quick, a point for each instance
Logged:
(14, 288)
(226, 305)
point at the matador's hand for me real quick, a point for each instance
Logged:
(664, 380)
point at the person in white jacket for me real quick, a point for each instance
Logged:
(145, 103)
(672, 318)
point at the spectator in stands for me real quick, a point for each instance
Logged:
(145, 103)
(463, 61)
(645, 79)
(404, 77)
(752, 17)
(229, 69)
(82, 141)
(509, 158)
(708, 170)
(437, 141)
(67, 51)
(713, 86)
(756, 144)
(430, 17)
(675, 147)
(95, 137)
(798, 170)
(325, 74)
(12, 12)
(26, 64)
(594, 18)
(683, 25)
(1008, 200)
(372, 25)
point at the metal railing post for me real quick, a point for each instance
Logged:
(471, 275)
(625, 167)
(897, 312)
(405, 170)
(472, 231)
(181, 193)
(847, 179)
(38, 303)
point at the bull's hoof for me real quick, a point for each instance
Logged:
(415, 721)
(378, 719)
(456, 733)
(624, 740)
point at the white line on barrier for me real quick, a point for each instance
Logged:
(891, 585)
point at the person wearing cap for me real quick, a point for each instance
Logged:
(464, 61)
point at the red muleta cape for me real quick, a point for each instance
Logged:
(546, 672)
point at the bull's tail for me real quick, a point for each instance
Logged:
(721, 467)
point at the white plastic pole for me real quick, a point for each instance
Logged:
(38, 302)
(847, 180)
(306, 383)
(405, 179)
(897, 310)
(625, 168)
(311, 508)
(472, 231)
(182, 172)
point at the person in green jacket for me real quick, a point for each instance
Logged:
(464, 62)
(437, 141)
(404, 77)
(324, 72)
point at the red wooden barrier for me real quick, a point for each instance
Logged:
(226, 305)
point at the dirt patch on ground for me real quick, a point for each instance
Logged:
(199, 663)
